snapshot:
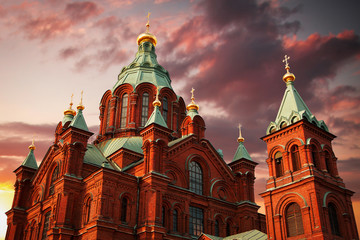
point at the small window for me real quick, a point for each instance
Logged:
(327, 162)
(333, 217)
(272, 129)
(54, 176)
(196, 221)
(175, 220)
(87, 210)
(279, 168)
(315, 156)
(196, 178)
(163, 217)
(145, 109)
(217, 228)
(108, 115)
(124, 107)
(228, 230)
(124, 206)
(294, 224)
(283, 124)
(46, 225)
(165, 108)
(295, 157)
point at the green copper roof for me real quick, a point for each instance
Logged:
(110, 146)
(248, 235)
(79, 121)
(157, 118)
(293, 109)
(241, 153)
(94, 156)
(144, 68)
(30, 160)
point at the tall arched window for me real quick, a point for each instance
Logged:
(124, 107)
(295, 157)
(279, 168)
(228, 230)
(87, 210)
(54, 176)
(334, 223)
(124, 206)
(165, 108)
(327, 162)
(46, 225)
(196, 221)
(314, 154)
(196, 178)
(217, 228)
(294, 224)
(175, 220)
(145, 109)
(108, 115)
(163, 215)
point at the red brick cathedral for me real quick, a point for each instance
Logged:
(152, 174)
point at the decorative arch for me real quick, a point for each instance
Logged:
(221, 189)
(177, 175)
(53, 175)
(293, 141)
(125, 206)
(280, 148)
(293, 220)
(87, 207)
(287, 199)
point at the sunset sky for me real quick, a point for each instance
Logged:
(230, 51)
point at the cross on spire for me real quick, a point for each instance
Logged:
(192, 93)
(286, 58)
(240, 138)
(148, 22)
(71, 102)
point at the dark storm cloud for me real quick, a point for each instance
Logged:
(349, 170)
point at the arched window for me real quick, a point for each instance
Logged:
(175, 220)
(196, 178)
(327, 162)
(108, 115)
(294, 224)
(145, 109)
(334, 223)
(124, 206)
(165, 108)
(295, 157)
(124, 107)
(54, 176)
(279, 168)
(196, 221)
(283, 124)
(87, 210)
(217, 228)
(314, 154)
(163, 215)
(228, 230)
(46, 225)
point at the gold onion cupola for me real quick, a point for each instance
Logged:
(241, 152)
(192, 108)
(147, 36)
(69, 113)
(288, 76)
(30, 160)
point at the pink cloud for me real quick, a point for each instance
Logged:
(81, 11)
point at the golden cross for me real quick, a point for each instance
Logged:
(157, 93)
(286, 58)
(71, 102)
(148, 22)
(33, 140)
(81, 97)
(192, 93)
(240, 130)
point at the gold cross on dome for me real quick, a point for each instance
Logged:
(82, 92)
(192, 93)
(71, 102)
(240, 130)
(148, 22)
(286, 58)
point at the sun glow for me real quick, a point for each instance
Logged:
(6, 198)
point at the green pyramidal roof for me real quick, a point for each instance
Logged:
(144, 68)
(293, 109)
(241, 153)
(157, 118)
(192, 113)
(79, 121)
(30, 160)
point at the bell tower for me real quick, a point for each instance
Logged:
(305, 197)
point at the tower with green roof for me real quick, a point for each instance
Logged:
(305, 197)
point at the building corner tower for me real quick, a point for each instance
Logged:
(305, 197)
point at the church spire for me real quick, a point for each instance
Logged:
(69, 113)
(30, 160)
(79, 120)
(292, 107)
(241, 152)
(156, 116)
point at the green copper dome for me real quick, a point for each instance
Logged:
(144, 68)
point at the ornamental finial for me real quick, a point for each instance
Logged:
(240, 138)
(70, 110)
(81, 106)
(192, 105)
(32, 146)
(148, 22)
(288, 77)
(157, 102)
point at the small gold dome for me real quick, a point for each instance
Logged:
(240, 139)
(146, 37)
(192, 105)
(70, 111)
(288, 77)
(32, 146)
